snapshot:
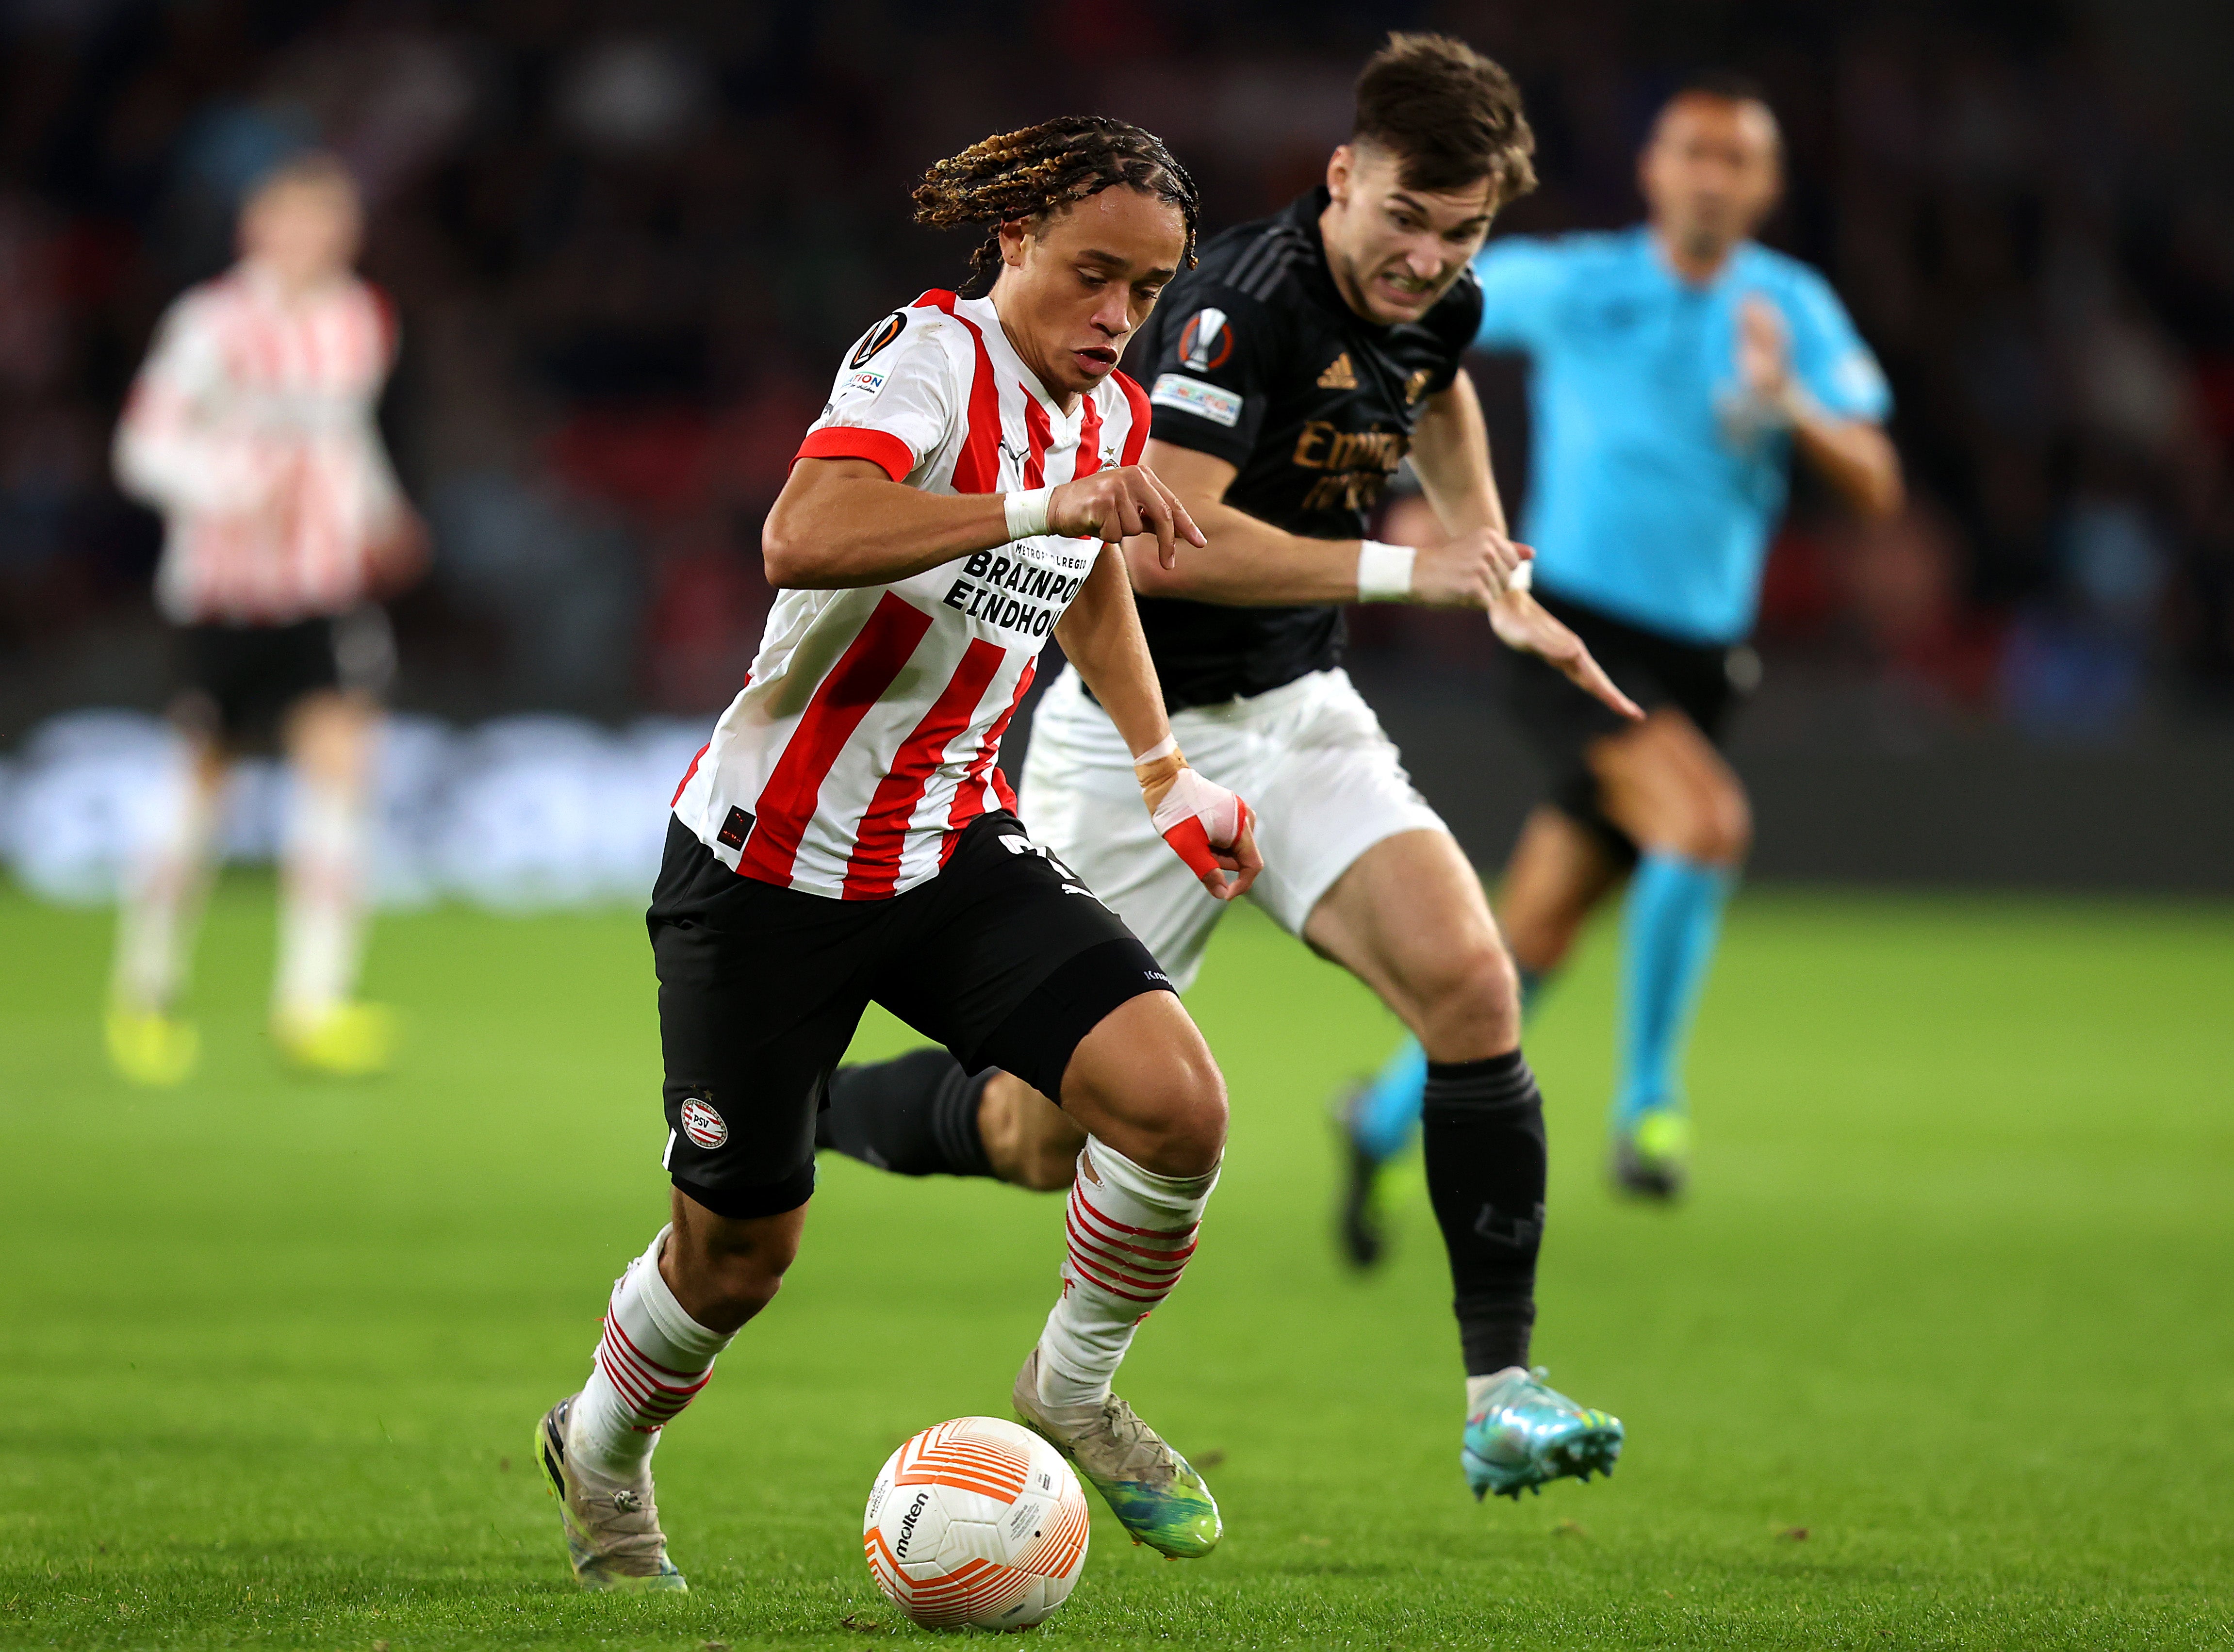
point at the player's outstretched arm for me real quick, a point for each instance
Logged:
(1206, 825)
(839, 522)
(1250, 563)
(844, 522)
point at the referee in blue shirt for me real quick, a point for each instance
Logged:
(1674, 369)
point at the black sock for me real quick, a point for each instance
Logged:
(916, 1115)
(1483, 1127)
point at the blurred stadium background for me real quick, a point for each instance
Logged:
(1945, 1300)
(628, 241)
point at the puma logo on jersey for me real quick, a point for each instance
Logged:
(1339, 375)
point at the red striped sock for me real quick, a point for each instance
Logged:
(1128, 1234)
(651, 1362)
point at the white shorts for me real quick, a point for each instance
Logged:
(1309, 757)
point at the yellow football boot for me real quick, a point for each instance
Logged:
(349, 1040)
(150, 1047)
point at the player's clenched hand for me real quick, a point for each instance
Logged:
(1520, 621)
(1112, 505)
(1207, 826)
(1470, 571)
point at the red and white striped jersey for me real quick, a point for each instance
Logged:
(251, 429)
(868, 732)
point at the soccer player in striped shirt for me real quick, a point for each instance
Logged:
(847, 836)
(1289, 372)
(251, 428)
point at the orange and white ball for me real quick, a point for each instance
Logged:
(976, 1521)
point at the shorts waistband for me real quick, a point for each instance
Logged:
(1253, 707)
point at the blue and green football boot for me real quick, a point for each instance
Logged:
(1521, 1433)
(1149, 1486)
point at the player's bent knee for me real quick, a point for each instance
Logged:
(1194, 1119)
(1733, 828)
(1145, 1082)
(1469, 1004)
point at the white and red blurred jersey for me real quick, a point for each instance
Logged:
(867, 735)
(251, 429)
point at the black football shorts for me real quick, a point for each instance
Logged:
(240, 681)
(1004, 957)
(1560, 722)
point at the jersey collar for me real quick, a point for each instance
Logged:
(1735, 267)
(1303, 212)
(1006, 360)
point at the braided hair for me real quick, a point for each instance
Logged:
(1034, 170)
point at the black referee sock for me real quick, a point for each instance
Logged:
(916, 1115)
(1483, 1128)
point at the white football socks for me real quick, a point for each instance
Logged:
(1130, 1232)
(164, 892)
(1478, 1386)
(321, 900)
(650, 1362)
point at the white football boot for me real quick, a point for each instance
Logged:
(613, 1538)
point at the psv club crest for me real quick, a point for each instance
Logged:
(706, 1127)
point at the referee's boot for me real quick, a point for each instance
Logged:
(1360, 1225)
(1149, 1486)
(613, 1539)
(1651, 1155)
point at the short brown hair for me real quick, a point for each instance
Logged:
(1450, 114)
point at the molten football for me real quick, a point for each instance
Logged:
(976, 1521)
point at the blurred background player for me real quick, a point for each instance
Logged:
(1290, 374)
(1675, 369)
(847, 836)
(251, 429)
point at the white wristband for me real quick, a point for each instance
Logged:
(1384, 572)
(1523, 577)
(1168, 746)
(1026, 512)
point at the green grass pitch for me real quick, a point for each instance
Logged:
(1941, 1352)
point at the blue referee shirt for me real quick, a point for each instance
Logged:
(1652, 496)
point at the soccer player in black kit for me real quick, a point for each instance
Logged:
(1290, 374)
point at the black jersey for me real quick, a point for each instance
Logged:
(1253, 357)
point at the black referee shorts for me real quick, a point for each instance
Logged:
(1561, 721)
(1003, 957)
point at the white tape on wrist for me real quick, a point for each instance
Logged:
(1384, 571)
(1168, 746)
(1193, 798)
(1026, 512)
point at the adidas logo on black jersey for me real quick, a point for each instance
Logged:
(1339, 375)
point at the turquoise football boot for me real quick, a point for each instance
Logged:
(1521, 1433)
(1149, 1486)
